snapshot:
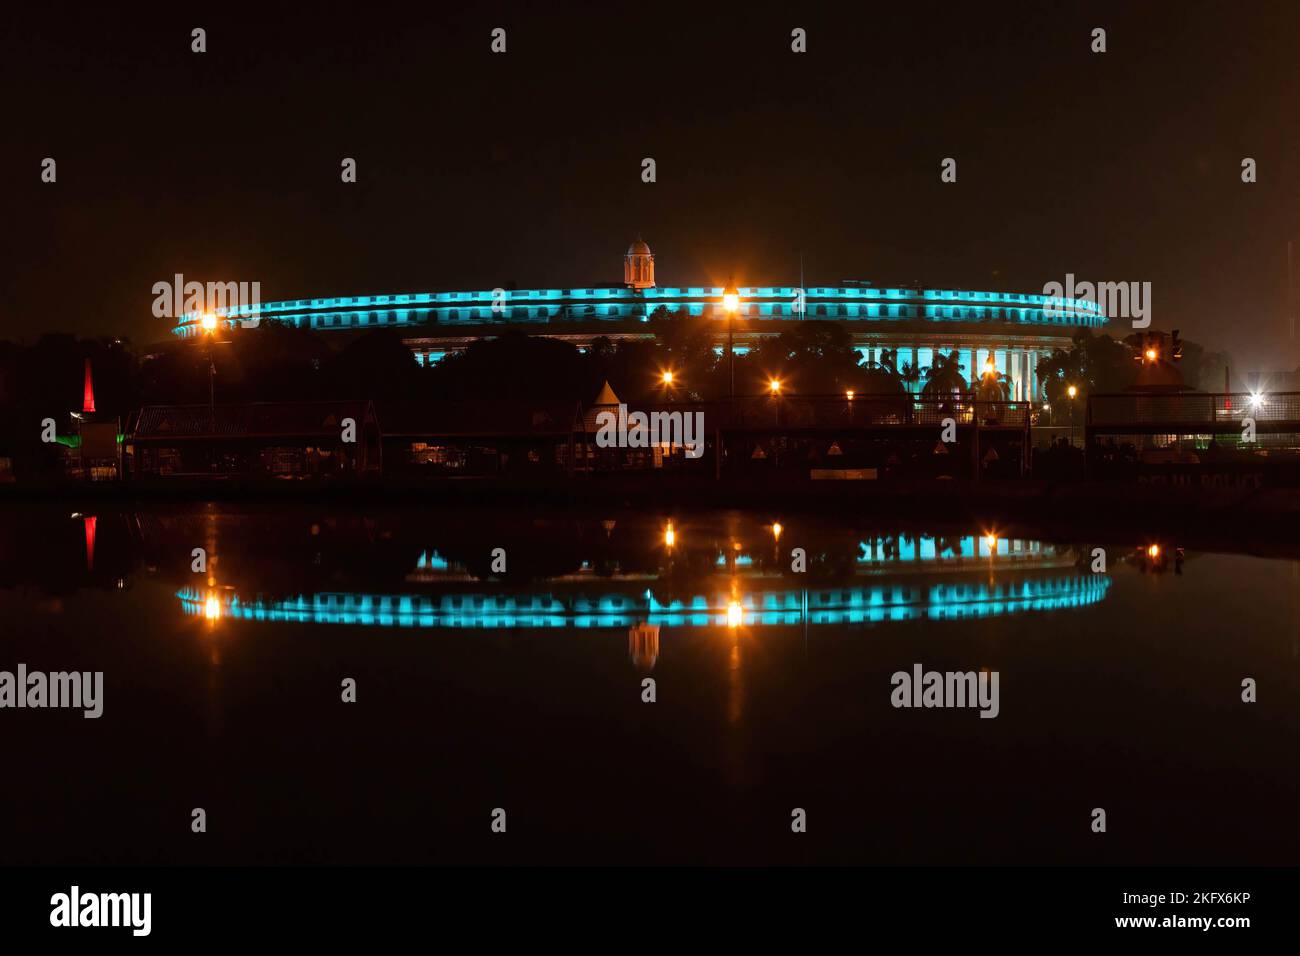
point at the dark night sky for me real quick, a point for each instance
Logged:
(477, 170)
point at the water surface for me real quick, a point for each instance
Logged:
(522, 689)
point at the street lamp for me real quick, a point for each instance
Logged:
(731, 305)
(1072, 392)
(666, 378)
(208, 321)
(774, 386)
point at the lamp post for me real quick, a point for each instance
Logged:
(1072, 392)
(990, 382)
(731, 305)
(666, 378)
(774, 389)
(209, 324)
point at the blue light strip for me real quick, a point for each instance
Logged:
(856, 605)
(857, 303)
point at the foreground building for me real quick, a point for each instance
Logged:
(1012, 331)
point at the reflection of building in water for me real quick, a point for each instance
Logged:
(927, 551)
(643, 645)
(891, 578)
(864, 604)
(735, 687)
(923, 553)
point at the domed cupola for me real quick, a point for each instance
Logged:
(639, 266)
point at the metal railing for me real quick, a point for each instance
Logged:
(826, 412)
(1188, 409)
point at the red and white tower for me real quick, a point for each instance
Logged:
(88, 393)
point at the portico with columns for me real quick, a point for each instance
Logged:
(1016, 359)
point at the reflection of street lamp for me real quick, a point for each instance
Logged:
(731, 305)
(735, 615)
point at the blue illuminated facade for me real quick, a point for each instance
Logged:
(557, 306)
(1011, 330)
